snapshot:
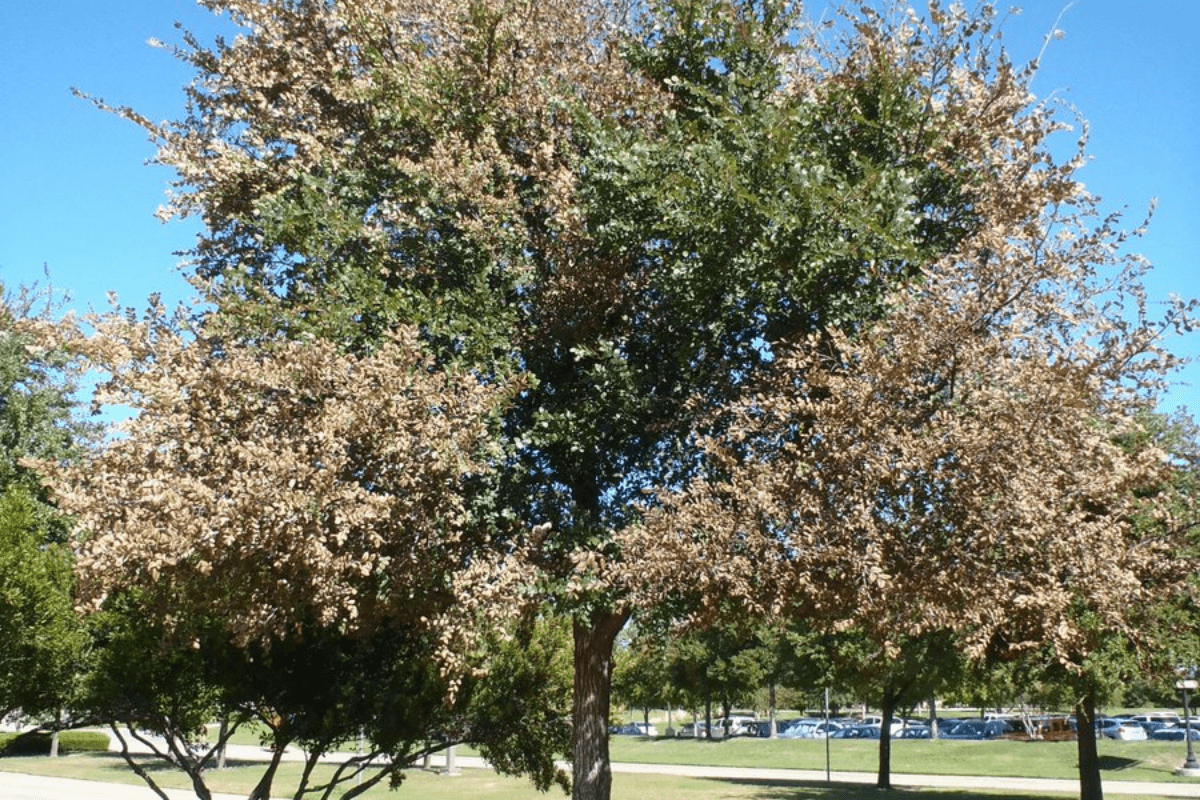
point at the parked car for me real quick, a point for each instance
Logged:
(975, 729)
(763, 729)
(856, 732)
(1156, 720)
(897, 724)
(914, 731)
(810, 729)
(735, 726)
(1176, 733)
(796, 728)
(629, 729)
(1127, 730)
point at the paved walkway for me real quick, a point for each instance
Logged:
(17, 786)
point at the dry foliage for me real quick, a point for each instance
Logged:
(957, 465)
(468, 96)
(286, 483)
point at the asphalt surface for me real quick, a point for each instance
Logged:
(18, 786)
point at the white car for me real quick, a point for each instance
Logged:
(810, 729)
(1124, 729)
(1155, 720)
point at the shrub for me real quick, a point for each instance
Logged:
(37, 743)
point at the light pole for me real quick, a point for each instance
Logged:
(1190, 766)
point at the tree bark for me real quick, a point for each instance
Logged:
(54, 734)
(262, 791)
(223, 738)
(591, 768)
(708, 715)
(1090, 787)
(887, 711)
(772, 731)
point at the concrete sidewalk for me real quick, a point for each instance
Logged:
(18, 786)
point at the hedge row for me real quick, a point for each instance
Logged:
(37, 743)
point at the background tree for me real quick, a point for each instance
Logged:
(722, 663)
(1156, 636)
(42, 642)
(641, 676)
(41, 645)
(894, 680)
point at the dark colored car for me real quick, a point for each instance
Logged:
(856, 732)
(976, 729)
(763, 729)
(1172, 733)
(914, 732)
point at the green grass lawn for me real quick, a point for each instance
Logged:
(486, 785)
(1131, 761)
(1125, 761)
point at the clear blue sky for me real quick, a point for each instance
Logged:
(76, 195)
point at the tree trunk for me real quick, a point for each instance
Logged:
(222, 739)
(886, 711)
(54, 734)
(1090, 787)
(591, 769)
(772, 731)
(262, 791)
(708, 715)
(933, 720)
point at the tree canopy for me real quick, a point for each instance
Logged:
(781, 306)
(40, 641)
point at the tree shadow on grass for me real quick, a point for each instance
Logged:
(1116, 763)
(156, 766)
(807, 790)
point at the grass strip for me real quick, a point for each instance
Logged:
(486, 785)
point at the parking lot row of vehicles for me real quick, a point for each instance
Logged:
(1138, 727)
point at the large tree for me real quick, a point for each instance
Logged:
(635, 205)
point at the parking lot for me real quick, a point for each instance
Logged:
(1162, 726)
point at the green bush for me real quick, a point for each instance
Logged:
(37, 743)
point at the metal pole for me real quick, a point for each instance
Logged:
(828, 779)
(1186, 683)
(1190, 763)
